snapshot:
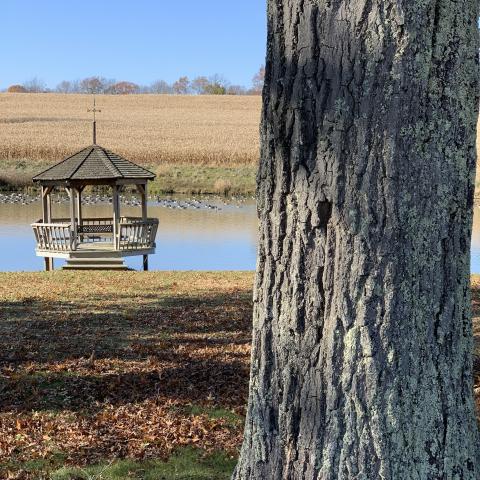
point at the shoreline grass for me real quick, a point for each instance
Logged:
(171, 179)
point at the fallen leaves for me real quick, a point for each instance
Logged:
(97, 365)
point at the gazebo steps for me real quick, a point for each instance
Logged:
(95, 264)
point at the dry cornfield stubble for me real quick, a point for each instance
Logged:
(149, 129)
(204, 144)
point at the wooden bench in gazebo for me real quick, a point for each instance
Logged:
(99, 243)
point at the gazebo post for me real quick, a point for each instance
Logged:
(47, 218)
(73, 239)
(116, 218)
(79, 205)
(78, 192)
(142, 188)
(143, 193)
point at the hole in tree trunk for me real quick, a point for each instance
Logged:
(324, 213)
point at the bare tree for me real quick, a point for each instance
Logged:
(108, 83)
(362, 344)
(181, 86)
(144, 89)
(161, 87)
(123, 88)
(35, 85)
(236, 90)
(92, 85)
(257, 81)
(64, 87)
(75, 86)
(199, 85)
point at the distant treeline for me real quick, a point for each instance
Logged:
(213, 85)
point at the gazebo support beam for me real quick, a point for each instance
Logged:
(142, 188)
(78, 192)
(73, 230)
(47, 218)
(143, 193)
(116, 217)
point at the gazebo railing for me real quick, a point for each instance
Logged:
(53, 236)
(87, 221)
(133, 233)
(136, 233)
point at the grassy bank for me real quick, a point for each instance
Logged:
(236, 180)
(211, 140)
(131, 375)
(171, 178)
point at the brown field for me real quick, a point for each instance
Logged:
(150, 129)
(204, 144)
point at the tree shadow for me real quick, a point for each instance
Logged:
(58, 355)
(194, 381)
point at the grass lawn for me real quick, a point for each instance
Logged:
(129, 375)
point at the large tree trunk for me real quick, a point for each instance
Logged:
(361, 365)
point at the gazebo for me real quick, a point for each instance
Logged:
(94, 243)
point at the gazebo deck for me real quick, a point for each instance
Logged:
(104, 247)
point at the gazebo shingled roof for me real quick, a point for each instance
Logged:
(94, 163)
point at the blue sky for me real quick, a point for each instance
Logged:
(140, 41)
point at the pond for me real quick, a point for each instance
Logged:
(194, 233)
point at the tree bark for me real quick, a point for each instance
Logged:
(362, 346)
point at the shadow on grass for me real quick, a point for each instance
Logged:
(76, 356)
(193, 381)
